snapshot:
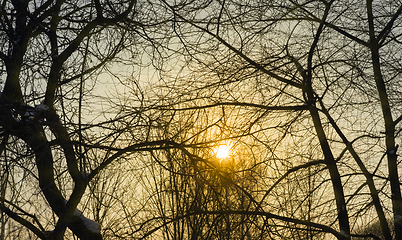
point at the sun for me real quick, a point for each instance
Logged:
(222, 151)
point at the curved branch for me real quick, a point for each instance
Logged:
(245, 104)
(294, 169)
(24, 212)
(22, 221)
(235, 50)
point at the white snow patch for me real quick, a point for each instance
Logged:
(32, 113)
(91, 225)
(398, 218)
(41, 107)
(344, 234)
(77, 213)
(85, 174)
(29, 115)
(48, 234)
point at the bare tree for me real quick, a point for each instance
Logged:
(58, 133)
(306, 93)
(314, 82)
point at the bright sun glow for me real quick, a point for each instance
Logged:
(222, 151)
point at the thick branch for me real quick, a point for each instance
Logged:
(22, 221)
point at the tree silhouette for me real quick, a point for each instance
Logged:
(53, 55)
(316, 83)
(306, 93)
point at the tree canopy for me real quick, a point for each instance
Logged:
(112, 114)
